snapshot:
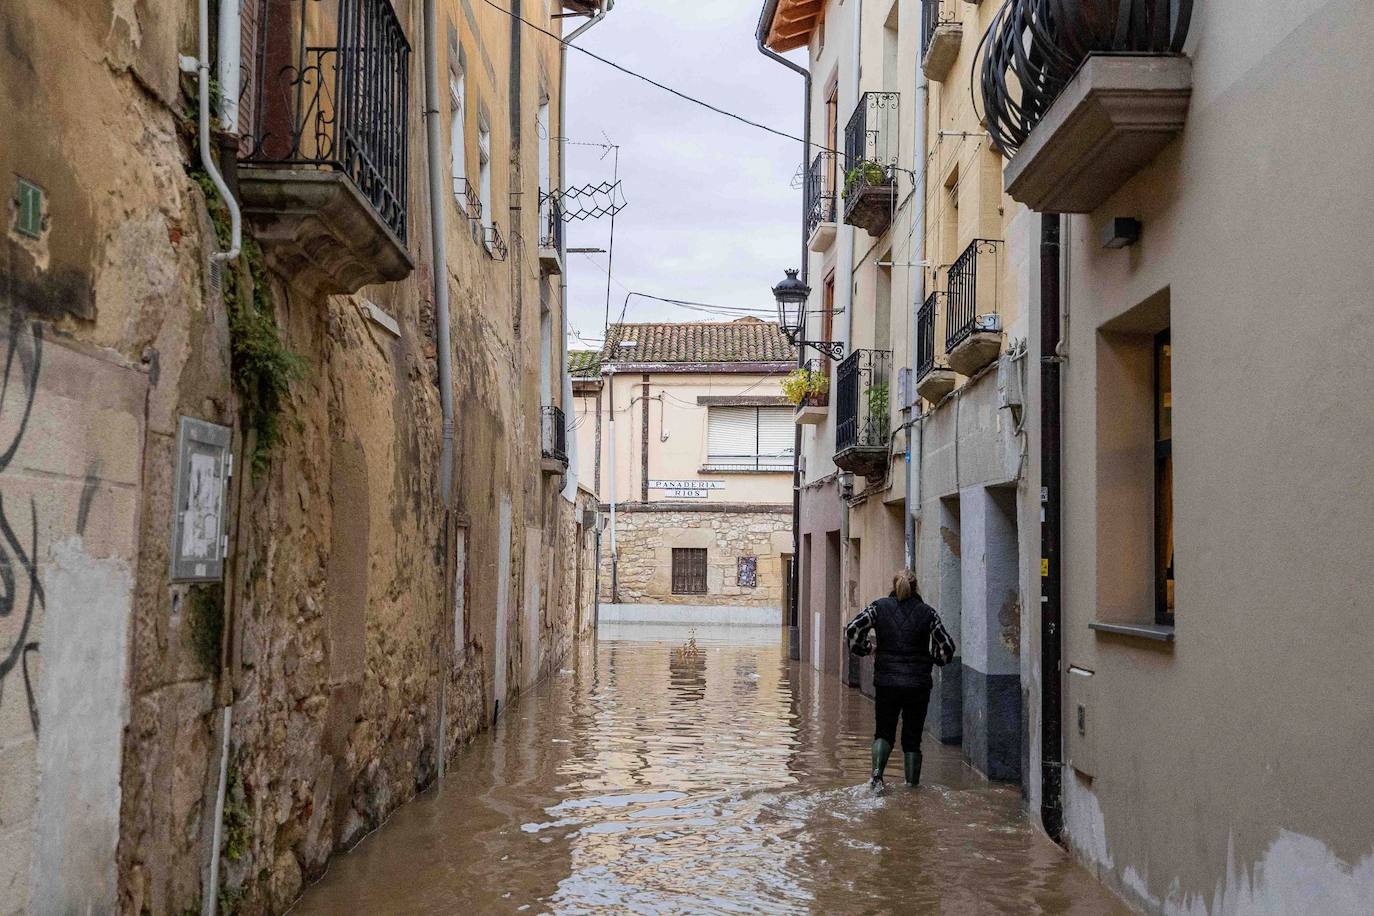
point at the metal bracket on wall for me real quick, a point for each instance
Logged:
(831, 348)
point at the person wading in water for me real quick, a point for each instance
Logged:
(901, 625)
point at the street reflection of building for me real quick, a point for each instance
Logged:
(683, 427)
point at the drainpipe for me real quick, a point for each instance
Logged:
(228, 50)
(438, 254)
(760, 35)
(913, 462)
(437, 249)
(201, 66)
(1051, 726)
(610, 463)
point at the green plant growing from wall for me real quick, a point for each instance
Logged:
(205, 621)
(262, 366)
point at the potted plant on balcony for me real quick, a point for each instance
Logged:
(807, 387)
(877, 410)
(868, 197)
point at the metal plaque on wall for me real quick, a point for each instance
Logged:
(204, 464)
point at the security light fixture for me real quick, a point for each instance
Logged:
(791, 295)
(1121, 232)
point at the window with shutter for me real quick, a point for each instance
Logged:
(732, 437)
(777, 436)
(753, 438)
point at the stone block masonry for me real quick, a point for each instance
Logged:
(646, 539)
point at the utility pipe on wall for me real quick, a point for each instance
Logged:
(1051, 725)
(918, 241)
(438, 249)
(201, 65)
(229, 53)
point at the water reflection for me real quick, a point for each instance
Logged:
(662, 775)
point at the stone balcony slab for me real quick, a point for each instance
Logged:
(318, 230)
(943, 50)
(1113, 117)
(936, 384)
(975, 351)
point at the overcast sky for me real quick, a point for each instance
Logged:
(712, 212)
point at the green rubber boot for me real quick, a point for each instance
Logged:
(881, 751)
(911, 764)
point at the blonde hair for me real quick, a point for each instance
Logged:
(904, 584)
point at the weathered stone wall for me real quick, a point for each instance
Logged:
(645, 541)
(353, 666)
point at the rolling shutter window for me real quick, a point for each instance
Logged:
(731, 436)
(777, 432)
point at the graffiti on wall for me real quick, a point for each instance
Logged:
(21, 591)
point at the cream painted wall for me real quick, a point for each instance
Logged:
(1229, 765)
(675, 414)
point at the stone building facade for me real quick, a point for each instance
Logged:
(701, 475)
(358, 622)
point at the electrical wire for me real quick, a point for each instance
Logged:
(655, 83)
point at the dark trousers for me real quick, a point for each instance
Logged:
(908, 702)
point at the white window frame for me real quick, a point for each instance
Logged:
(484, 178)
(457, 89)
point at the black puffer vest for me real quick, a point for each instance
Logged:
(903, 655)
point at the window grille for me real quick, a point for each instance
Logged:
(689, 570)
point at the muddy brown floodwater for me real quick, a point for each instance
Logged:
(646, 778)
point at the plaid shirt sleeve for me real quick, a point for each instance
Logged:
(857, 630)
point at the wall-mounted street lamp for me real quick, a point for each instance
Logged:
(791, 295)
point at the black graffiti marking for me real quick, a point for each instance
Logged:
(12, 552)
(88, 489)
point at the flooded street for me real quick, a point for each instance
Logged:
(652, 776)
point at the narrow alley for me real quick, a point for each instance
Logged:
(662, 776)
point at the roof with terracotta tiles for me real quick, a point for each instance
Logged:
(584, 363)
(744, 340)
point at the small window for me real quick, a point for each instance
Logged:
(1164, 481)
(29, 209)
(689, 570)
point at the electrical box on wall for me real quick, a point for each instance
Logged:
(204, 465)
(1081, 727)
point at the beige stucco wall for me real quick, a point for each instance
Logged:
(677, 436)
(1229, 774)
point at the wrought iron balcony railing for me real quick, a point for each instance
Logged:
(871, 143)
(820, 191)
(550, 222)
(871, 139)
(553, 433)
(468, 199)
(1033, 47)
(495, 242)
(931, 17)
(332, 92)
(862, 400)
(971, 297)
(925, 336)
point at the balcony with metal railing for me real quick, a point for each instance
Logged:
(553, 435)
(933, 381)
(550, 234)
(324, 165)
(494, 241)
(973, 324)
(863, 419)
(871, 143)
(941, 36)
(820, 201)
(1082, 100)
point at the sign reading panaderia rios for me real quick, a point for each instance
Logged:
(687, 489)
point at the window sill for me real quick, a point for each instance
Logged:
(1151, 631)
